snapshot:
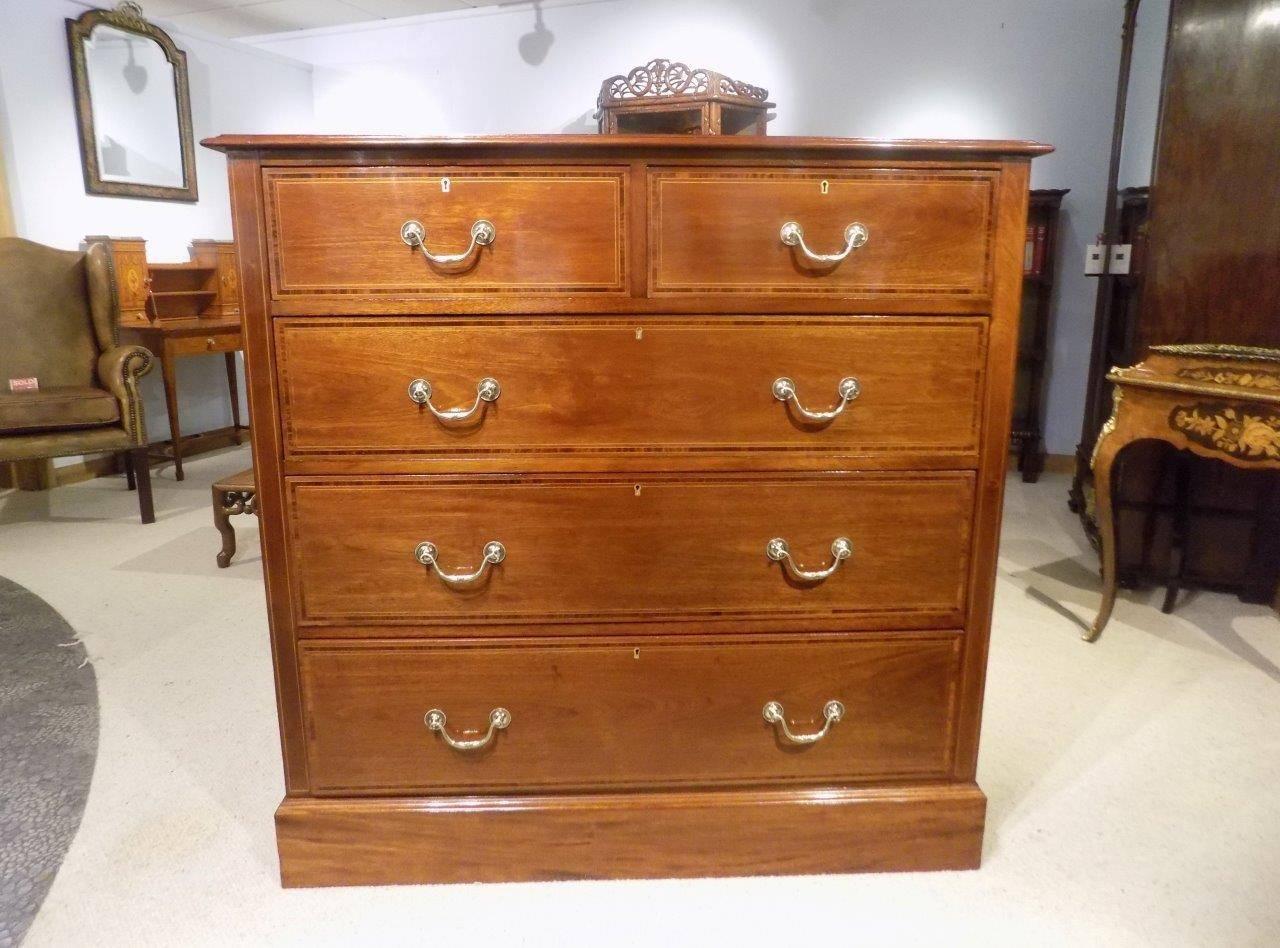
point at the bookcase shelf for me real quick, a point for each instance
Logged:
(1033, 348)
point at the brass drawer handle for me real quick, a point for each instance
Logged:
(784, 390)
(483, 233)
(499, 720)
(855, 235)
(780, 552)
(426, 553)
(487, 390)
(832, 713)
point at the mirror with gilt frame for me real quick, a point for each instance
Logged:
(133, 106)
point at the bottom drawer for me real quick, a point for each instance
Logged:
(615, 715)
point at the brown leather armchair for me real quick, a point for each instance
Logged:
(59, 321)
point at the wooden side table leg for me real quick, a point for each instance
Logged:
(126, 459)
(1178, 534)
(1031, 459)
(234, 388)
(171, 402)
(222, 520)
(1103, 462)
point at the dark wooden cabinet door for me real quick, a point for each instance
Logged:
(1214, 239)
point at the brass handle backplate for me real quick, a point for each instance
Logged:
(427, 554)
(487, 390)
(784, 390)
(855, 235)
(499, 720)
(779, 551)
(483, 233)
(832, 713)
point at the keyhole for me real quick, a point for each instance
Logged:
(636, 653)
(445, 184)
(825, 186)
(637, 490)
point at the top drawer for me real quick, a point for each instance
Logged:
(338, 231)
(923, 232)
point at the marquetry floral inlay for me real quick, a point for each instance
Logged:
(1234, 430)
(1244, 378)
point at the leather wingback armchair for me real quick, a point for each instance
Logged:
(59, 322)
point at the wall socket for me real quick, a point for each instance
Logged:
(1093, 257)
(1120, 254)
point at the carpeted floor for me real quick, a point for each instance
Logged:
(48, 742)
(1132, 783)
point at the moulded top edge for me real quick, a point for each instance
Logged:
(778, 146)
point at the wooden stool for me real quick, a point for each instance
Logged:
(232, 495)
(1220, 402)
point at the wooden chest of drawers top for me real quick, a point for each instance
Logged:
(594, 471)
(627, 224)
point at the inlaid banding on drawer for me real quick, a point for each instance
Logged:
(338, 230)
(593, 387)
(612, 715)
(922, 232)
(680, 549)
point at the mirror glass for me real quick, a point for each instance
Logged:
(1142, 104)
(135, 108)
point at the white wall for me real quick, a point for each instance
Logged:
(1040, 69)
(234, 88)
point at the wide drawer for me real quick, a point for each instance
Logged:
(338, 230)
(606, 715)
(675, 549)
(593, 387)
(720, 231)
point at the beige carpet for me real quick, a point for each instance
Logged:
(1134, 784)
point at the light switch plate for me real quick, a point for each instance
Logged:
(1120, 254)
(1093, 259)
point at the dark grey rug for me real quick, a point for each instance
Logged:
(48, 744)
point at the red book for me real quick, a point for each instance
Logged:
(1037, 261)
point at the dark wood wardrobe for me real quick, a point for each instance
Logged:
(1206, 269)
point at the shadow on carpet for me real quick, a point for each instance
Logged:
(48, 744)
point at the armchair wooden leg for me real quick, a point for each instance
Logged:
(126, 460)
(141, 465)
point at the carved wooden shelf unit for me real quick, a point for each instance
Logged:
(671, 98)
(611, 526)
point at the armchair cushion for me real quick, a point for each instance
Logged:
(57, 409)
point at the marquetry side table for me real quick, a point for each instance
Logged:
(1220, 402)
(232, 495)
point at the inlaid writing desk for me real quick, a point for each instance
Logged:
(181, 309)
(171, 339)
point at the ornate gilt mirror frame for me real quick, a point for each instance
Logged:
(128, 17)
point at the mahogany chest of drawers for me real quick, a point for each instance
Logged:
(629, 504)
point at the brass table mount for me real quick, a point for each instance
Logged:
(1215, 401)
